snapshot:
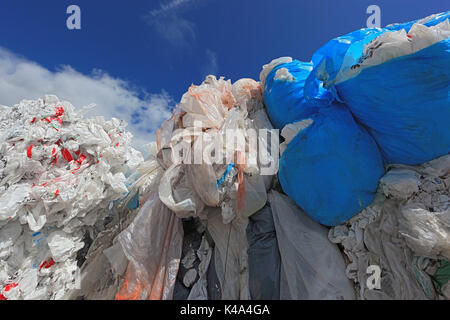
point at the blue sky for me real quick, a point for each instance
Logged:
(137, 58)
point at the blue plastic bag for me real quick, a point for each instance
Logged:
(331, 168)
(405, 104)
(333, 60)
(284, 97)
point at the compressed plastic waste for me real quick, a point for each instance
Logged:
(395, 82)
(195, 178)
(402, 232)
(311, 267)
(60, 175)
(222, 190)
(332, 167)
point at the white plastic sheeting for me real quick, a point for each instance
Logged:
(205, 115)
(401, 233)
(311, 266)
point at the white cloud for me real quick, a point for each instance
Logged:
(168, 23)
(168, 7)
(211, 65)
(24, 79)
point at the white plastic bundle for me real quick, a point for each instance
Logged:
(59, 176)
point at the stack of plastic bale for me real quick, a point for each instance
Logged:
(405, 232)
(60, 176)
(396, 82)
(211, 230)
(330, 165)
(372, 97)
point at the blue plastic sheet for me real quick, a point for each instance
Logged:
(337, 56)
(284, 98)
(405, 104)
(331, 168)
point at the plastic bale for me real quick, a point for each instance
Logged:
(395, 82)
(409, 123)
(332, 167)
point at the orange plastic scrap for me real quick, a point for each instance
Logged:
(131, 288)
(228, 99)
(240, 164)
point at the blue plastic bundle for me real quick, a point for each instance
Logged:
(331, 168)
(283, 96)
(404, 102)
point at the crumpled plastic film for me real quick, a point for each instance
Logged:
(407, 223)
(229, 177)
(153, 244)
(59, 176)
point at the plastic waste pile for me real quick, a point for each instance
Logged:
(405, 231)
(60, 175)
(220, 209)
(370, 98)
(210, 230)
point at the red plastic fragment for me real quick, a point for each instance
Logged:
(10, 286)
(59, 111)
(2, 297)
(66, 154)
(81, 159)
(32, 121)
(30, 151)
(47, 264)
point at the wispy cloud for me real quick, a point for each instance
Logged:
(144, 112)
(169, 7)
(211, 65)
(168, 22)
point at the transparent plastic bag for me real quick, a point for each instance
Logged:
(153, 244)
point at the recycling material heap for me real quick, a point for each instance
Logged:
(334, 184)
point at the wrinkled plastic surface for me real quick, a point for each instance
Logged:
(311, 266)
(263, 256)
(332, 167)
(333, 62)
(153, 244)
(395, 82)
(396, 233)
(230, 255)
(408, 111)
(283, 94)
(60, 177)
